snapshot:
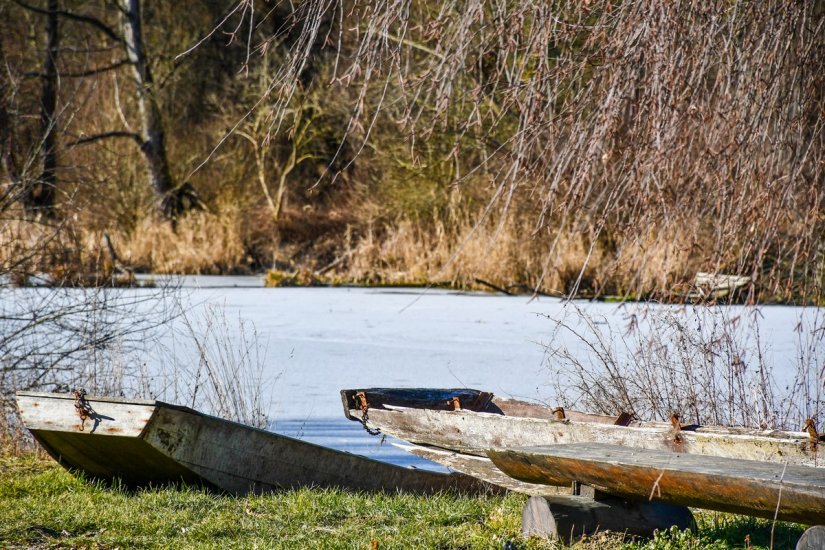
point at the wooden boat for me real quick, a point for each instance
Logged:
(466, 422)
(151, 442)
(756, 488)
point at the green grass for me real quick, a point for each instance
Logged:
(42, 505)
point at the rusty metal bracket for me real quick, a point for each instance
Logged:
(82, 406)
(677, 427)
(361, 400)
(455, 403)
(558, 413)
(810, 427)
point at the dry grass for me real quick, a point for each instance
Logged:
(202, 242)
(509, 255)
(226, 379)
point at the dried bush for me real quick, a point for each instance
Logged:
(212, 367)
(710, 364)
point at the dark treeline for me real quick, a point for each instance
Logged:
(593, 148)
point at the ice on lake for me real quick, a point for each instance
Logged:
(317, 341)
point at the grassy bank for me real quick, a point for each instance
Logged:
(41, 505)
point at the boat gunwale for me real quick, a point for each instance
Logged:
(593, 419)
(645, 428)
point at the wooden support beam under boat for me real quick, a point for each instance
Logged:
(568, 518)
(812, 539)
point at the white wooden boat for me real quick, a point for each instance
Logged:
(451, 425)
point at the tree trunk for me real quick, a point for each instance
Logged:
(40, 194)
(174, 199)
(8, 192)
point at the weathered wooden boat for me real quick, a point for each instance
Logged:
(755, 488)
(150, 442)
(466, 422)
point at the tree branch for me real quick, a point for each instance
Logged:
(98, 70)
(88, 19)
(82, 74)
(106, 135)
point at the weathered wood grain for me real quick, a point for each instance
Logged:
(570, 517)
(242, 459)
(146, 442)
(472, 432)
(793, 493)
(481, 468)
(56, 412)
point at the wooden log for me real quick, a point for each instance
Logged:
(812, 539)
(570, 517)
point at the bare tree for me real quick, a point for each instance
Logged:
(40, 195)
(173, 198)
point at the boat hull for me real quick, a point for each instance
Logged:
(149, 442)
(457, 436)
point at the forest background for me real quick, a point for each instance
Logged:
(587, 148)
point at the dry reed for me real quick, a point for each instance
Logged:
(215, 368)
(710, 364)
(690, 133)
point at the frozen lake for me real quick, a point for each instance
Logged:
(316, 341)
(312, 342)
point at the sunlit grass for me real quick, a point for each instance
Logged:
(44, 506)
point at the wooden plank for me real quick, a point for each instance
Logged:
(725, 484)
(480, 468)
(473, 432)
(569, 518)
